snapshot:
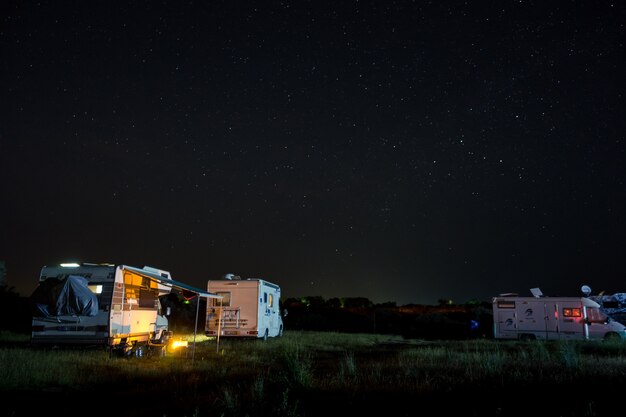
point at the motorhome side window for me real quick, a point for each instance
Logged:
(265, 297)
(596, 316)
(140, 291)
(147, 299)
(271, 301)
(572, 312)
(95, 288)
(506, 304)
(100, 289)
(224, 301)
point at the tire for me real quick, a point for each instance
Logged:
(139, 351)
(156, 351)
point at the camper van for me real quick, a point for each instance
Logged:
(248, 308)
(552, 318)
(115, 306)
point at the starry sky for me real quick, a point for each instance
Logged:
(403, 151)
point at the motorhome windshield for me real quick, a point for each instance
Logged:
(594, 315)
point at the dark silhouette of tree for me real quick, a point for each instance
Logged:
(14, 310)
(357, 302)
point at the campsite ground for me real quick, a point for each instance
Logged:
(318, 373)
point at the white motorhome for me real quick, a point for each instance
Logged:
(115, 306)
(249, 308)
(552, 318)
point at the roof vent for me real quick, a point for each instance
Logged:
(231, 277)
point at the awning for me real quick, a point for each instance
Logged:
(170, 282)
(178, 285)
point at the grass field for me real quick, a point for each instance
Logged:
(318, 374)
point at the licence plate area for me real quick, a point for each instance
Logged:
(70, 328)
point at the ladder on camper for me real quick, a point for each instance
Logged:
(231, 318)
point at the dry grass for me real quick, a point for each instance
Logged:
(302, 373)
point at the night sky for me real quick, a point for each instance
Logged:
(400, 151)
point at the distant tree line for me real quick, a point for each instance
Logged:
(445, 320)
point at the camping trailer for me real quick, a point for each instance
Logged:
(552, 318)
(249, 308)
(115, 306)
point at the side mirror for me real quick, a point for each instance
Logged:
(168, 311)
(284, 313)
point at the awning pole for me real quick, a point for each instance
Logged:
(219, 327)
(195, 329)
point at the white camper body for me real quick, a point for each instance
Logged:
(249, 308)
(125, 308)
(552, 318)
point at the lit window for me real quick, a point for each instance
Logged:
(572, 312)
(224, 301)
(96, 289)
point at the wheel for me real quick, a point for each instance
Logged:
(139, 351)
(157, 351)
